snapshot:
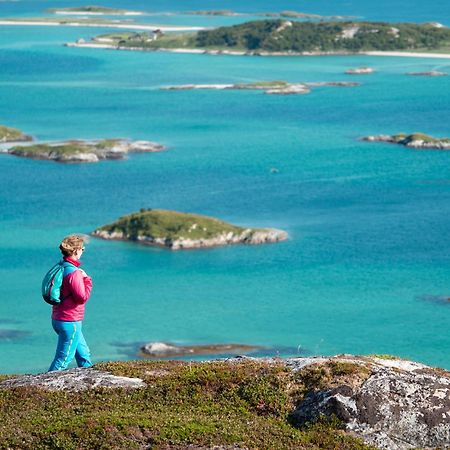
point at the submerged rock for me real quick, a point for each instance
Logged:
(13, 334)
(165, 350)
(432, 73)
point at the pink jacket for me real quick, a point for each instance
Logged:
(75, 290)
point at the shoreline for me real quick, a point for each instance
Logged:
(263, 53)
(131, 26)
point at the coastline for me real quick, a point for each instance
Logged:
(131, 26)
(257, 53)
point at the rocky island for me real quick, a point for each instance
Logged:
(8, 134)
(289, 37)
(176, 230)
(415, 141)
(79, 151)
(269, 87)
(337, 402)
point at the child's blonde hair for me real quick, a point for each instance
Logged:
(71, 244)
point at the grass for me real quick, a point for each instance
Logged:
(201, 404)
(171, 225)
(10, 134)
(403, 138)
(64, 149)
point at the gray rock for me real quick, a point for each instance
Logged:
(402, 405)
(73, 380)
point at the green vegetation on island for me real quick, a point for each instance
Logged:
(77, 151)
(178, 230)
(8, 134)
(182, 405)
(278, 36)
(281, 36)
(92, 10)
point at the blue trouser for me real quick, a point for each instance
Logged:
(71, 343)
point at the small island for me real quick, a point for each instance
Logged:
(95, 11)
(269, 87)
(291, 38)
(79, 151)
(176, 230)
(8, 134)
(360, 70)
(415, 141)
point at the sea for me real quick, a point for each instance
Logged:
(366, 268)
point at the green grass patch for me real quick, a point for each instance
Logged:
(203, 404)
(10, 134)
(158, 223)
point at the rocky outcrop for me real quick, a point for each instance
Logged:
(397, 405)
(269, 87)
(80, 151)
(248, 236)
(165, 350)
(73, 380)
(390, 403)
(414, 141)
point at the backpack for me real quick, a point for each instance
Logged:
(52, 282)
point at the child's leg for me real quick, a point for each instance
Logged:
(68, 336)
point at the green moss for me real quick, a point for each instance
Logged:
(263, 85)
(171, 225)
(403, 138)
(70, 148)
(200, 404)
(67, 148)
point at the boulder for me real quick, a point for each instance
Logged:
(400, 405)
(73, 380)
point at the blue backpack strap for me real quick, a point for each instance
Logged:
(68, 268)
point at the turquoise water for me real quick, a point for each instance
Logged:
(366, 269)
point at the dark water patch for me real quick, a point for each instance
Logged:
(442, 299)
(9, 321)
(10, 335)
(22, 63)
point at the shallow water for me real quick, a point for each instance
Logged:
(368, 222)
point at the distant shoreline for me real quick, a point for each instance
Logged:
(131, 26)
(259, 53)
